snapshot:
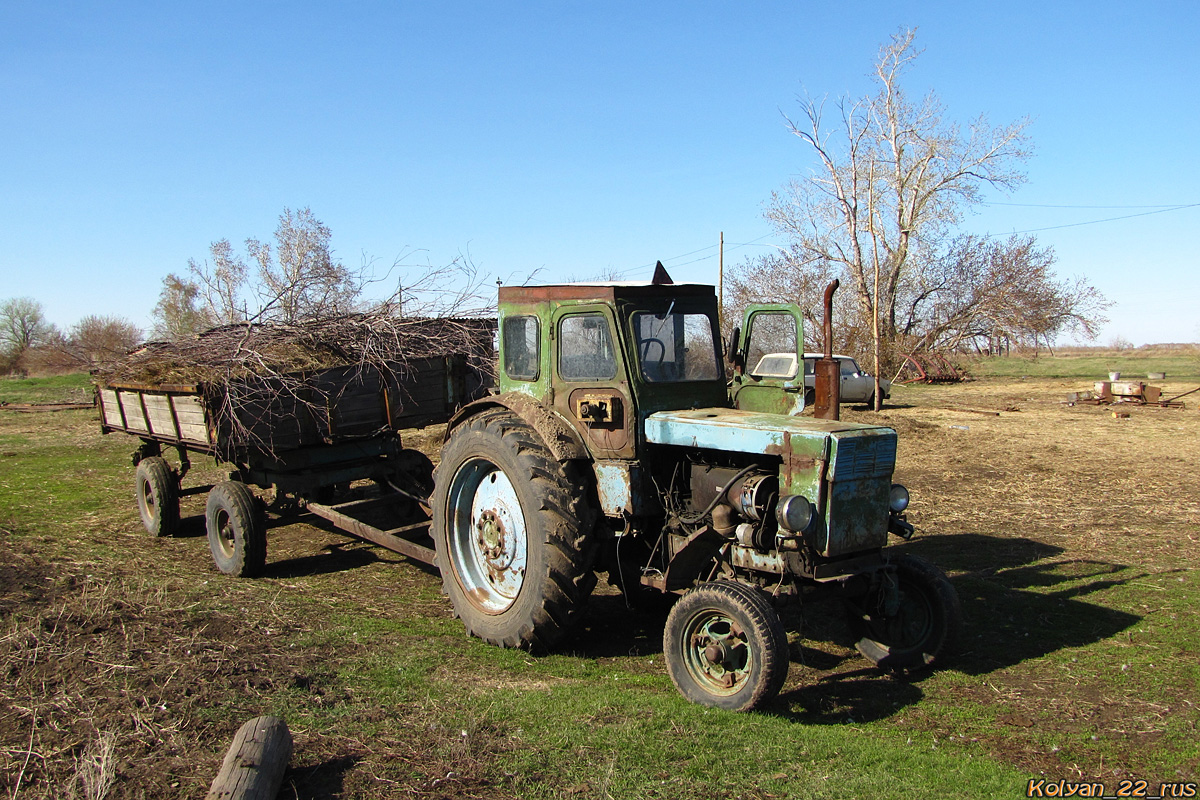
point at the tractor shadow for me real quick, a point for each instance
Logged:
(1026, 603)
(1021, 600)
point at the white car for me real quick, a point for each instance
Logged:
(858, 386)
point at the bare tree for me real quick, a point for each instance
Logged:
(301, 278)
(987, 289)
(100, 339)
(222, 284)
(292, 278)
(893, 178)
(176, 315)
(23, 326)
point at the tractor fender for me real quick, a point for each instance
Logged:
(559, 436)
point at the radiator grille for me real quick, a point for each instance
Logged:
(864, 457)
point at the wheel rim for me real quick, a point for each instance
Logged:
(717, 653)
(226, 535)
(911, 626)
(148, 499)
(488, 539)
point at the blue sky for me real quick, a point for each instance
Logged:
(575, 138)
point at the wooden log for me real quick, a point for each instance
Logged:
(254, 766)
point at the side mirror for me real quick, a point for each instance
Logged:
(731, 351)
(731, 344)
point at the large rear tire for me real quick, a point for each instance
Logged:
(237, 532)
(726, 647)
(513, 532)
(924, 628)
(157, 496)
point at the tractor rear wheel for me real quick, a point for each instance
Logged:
(513, 532)
(920, 628)
(726, 647)
(157, 496)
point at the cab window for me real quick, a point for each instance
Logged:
(585, 348)
(675, 347)
(771, 351)
(521, 347)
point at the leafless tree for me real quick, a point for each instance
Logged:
(987, 289)
(222, 284)
(23, 326)
(294, 277)
(894, 177)
(176, 314)
(99, 339)
(300, 277)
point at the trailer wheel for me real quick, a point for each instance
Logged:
(726, 647)
(157, 496)
(925, 624)
(513, 533)
(237, 532)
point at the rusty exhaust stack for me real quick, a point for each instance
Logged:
(828, 373)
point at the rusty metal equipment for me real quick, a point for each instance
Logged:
(929, 367)
(828, 370)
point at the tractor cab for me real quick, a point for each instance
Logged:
(605, 356)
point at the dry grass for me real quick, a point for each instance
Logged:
(1070, 535)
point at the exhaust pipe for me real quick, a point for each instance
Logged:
(828, 372)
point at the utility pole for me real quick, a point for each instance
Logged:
(721, 284)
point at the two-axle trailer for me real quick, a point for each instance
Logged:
(307, 442)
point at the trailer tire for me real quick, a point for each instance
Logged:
(925, 629)
(514, 533)
(726, 647)
(237, 531)
(157, 496)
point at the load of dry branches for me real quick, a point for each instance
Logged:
(257, 377)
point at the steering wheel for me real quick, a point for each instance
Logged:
(646, 346)
(655, 368)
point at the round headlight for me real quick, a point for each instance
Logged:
(794, 513)
(898, 498)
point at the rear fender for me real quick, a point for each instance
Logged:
(558, 434)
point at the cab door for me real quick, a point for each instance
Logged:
(771, 356)
(591, 386)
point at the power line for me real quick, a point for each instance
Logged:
(1093, 221)
(1168, 206)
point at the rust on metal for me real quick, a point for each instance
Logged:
(929, 367)
(828, 370)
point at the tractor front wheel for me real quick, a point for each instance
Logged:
(726, 647)
(910, 620)
(513, 532)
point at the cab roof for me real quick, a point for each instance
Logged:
(603, 292)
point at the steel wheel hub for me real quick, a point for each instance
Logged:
(488, 538)
(718, 655)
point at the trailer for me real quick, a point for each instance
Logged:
(306, 437)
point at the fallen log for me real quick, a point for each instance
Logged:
(254, 766)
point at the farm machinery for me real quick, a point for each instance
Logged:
(615, 441)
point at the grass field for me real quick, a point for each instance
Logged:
(1093, 365)
(1070, 535)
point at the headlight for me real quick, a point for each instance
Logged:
(794, 513)
(898, 498)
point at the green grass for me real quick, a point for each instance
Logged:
(74, 388)
(1131, 364)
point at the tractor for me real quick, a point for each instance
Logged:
(625, 436)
